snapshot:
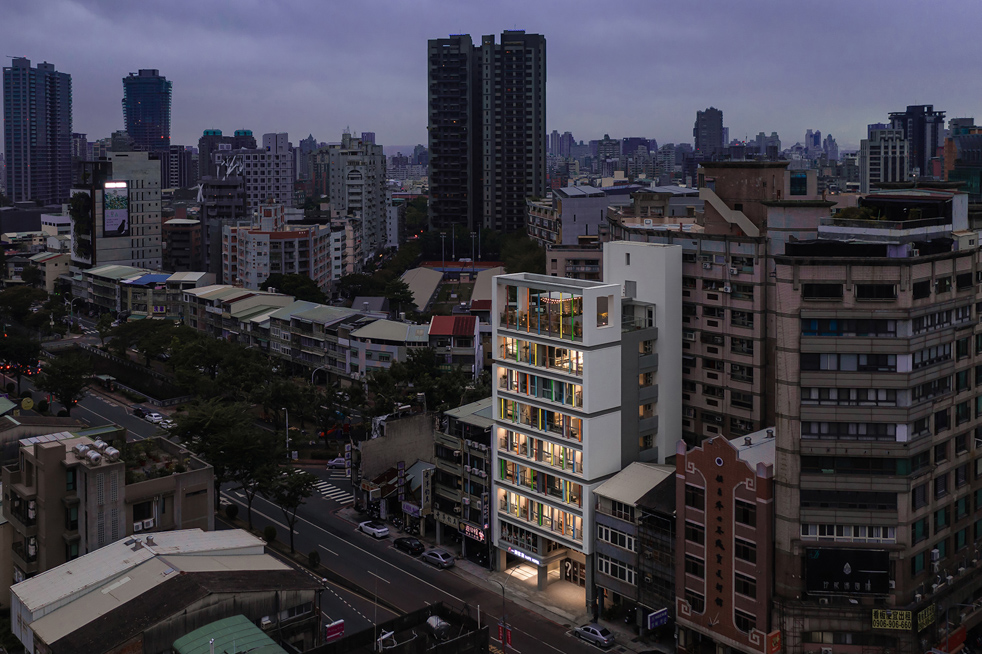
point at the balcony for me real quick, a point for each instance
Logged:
(565, 327)
(24, 559)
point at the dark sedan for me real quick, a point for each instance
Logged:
(409, 545)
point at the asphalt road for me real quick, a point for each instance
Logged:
(375, 566)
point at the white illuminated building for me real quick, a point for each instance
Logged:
(587, 379)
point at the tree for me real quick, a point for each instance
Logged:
(290, 491)
(253, 462)
(301, 287)
(32, 276)
(351, 286)
(65, 378)
(398, 293)
(152, 337)
(16, 302)
(104, 326)
(211, 429)
(21, 353)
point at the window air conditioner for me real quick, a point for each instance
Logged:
(148, 524)
(823, 601)
(734, 271)
(707, 266)
(137, 527)
(726, 289)
(826, 650)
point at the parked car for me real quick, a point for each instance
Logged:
(439, 558)
(336, 462)
(167, 424)
(374, 528)
(594, 633)
(139, 411)
(409, 545)
(154, 417)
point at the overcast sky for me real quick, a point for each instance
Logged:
(628, 69)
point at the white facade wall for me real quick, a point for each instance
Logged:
(597, 338)
(141, 249)
(652, 273)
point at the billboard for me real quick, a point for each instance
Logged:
(83, 221)
(116, 210)
(840, 571)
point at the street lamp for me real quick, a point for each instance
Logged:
(71, 312)
(443, 252)
(314, 373)
(285, 410)
(473, 261)
(504, 617)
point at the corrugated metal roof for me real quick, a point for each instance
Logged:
(422, 283)
(236, 632)
(484, 284)
(384, 330)
(476, 413)
(453, 326)
(633, 482)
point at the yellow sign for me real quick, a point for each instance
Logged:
(27, 404)
(925, 618)
(898, 620)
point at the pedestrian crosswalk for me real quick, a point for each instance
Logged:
(333, 492)
(90, 332)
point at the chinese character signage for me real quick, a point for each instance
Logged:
(925, 618)
(426, 492)
(896, 620)
(830, 570)
(116, 210)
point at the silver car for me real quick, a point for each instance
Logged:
(373, 528)
(439, 558)
(594, 633)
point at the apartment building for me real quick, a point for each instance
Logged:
(724, 540)
(352, 176)
(878, 355)
(159, 295)
(267, 172)
(635, 542)
(71, 493)
(579, 364)
(250, 255)
(461, 483)
(232, 313)
(457, 343)
(884, 156)
(183, 245)
(751, 210)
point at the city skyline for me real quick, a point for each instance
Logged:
(286, 71)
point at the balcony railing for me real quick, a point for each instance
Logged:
(565, 327)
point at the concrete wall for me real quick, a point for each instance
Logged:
(407, 439)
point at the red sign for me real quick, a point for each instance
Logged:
(333, 631)
(501, 632)
(774, 642)
(953, 641)
(508, 636)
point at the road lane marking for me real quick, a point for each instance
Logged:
(327, 550)
(377, 576)
(275, 522)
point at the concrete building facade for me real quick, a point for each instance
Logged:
(883, 157)
(577, 362)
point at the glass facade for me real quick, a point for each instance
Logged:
(146, 109)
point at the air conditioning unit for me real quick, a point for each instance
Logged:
(148, 524)
(824, 601)
(918, 597)
(734, 271)
(689, 336)
(483, 473)
(707, 266)
(935, 554)
(914, 252)
(950, 579)
(934, 587)
(647, 579)
(266, 623)
(893, 584)
(137, 527)
(975, 561)
(469, 442)
(466, 500)
(456, 452)
(826, 650)
(727, 289)
(961, 571)
(456, 509)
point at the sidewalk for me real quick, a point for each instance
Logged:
(561, 603)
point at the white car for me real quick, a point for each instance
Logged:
(154, 417)
(337, 462)
(167, 424)
(374, 528)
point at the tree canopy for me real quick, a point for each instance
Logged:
(66, 378)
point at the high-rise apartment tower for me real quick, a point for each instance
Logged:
(146, 109)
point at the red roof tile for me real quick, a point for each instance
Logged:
(481, 305)
(453, 326)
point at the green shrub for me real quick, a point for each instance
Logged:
(62, 413)
(314, 559)
(232, 511)
(269, 534)
(42, 406)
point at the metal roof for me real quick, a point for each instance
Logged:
(236, 632)
(633, 482)
(453, 326)
(59, 584)
(484, 283)
(476, 413)
(422, 283)
(389, 330)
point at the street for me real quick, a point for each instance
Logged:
(375, 567)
